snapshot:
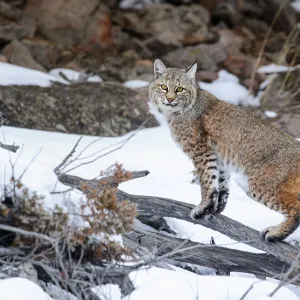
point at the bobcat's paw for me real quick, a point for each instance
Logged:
(272, 234)
(222, 201)
(202, 210)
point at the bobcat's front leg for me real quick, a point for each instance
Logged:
(207, 169)
(223, 190)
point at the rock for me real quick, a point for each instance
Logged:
(206, 76)
(258, 27)
(9, 12)
(266, 10)
(3, 58)
(165, 27)
(113, 67)
(240, 65)
(16, 53)
(226, 13)
(233, 41)
(107, 109)
(208, 56)
(282, 96)
(44, 52)
(70, 23)
(15, 24)
(209, 4)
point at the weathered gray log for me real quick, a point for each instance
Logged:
(212, 256)
(149, 206)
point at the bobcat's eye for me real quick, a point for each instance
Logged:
(164, 87)
(179, 89)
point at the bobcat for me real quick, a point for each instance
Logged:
(220, 137)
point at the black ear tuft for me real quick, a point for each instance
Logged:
(191, 71)
(189, 67)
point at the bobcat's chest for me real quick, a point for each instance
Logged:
(186, 134)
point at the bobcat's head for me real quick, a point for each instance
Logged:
(173, 90)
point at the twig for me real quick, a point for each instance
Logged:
(61, 167)
(10, 251)
(262, 49)
(27, 233)
(12, 148)
(29, 164)
(57, 169)
(286, 280)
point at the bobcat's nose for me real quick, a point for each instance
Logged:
(170, 97)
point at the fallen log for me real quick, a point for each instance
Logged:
(276, 261)
(149, 206)
(207, 255)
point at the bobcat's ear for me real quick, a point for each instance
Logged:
(191, 70)
(159, 68)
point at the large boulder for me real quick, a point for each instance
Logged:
(278, 12)
(44, 52)
(17, 53)
(15, 23)
(72, 23)
(209, 56)
(165, 27)
(106, 109)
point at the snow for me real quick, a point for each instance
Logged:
(296, 5)
(137, 83)
(127, 4)
(170, 176)
(161, 284)
(107, 292)
(270, 114)
(224, 86)
(166, 179)
(15, 75)
(273, 68)
(21, 289)
(72, 75)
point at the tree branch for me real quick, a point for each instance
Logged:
(12, 148)
(207, 255)
(149, 206)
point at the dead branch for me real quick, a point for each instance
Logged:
(207, 255)
(149, 206)
(12, 148)
(95, 156)
(27, 233)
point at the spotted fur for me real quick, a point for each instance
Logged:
(220, 138)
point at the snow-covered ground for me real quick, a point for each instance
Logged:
(170, 176)
(296, 5)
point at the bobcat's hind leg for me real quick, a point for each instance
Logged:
(288, 204)
(282, 230)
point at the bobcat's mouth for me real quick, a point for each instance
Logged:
(171, 104)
